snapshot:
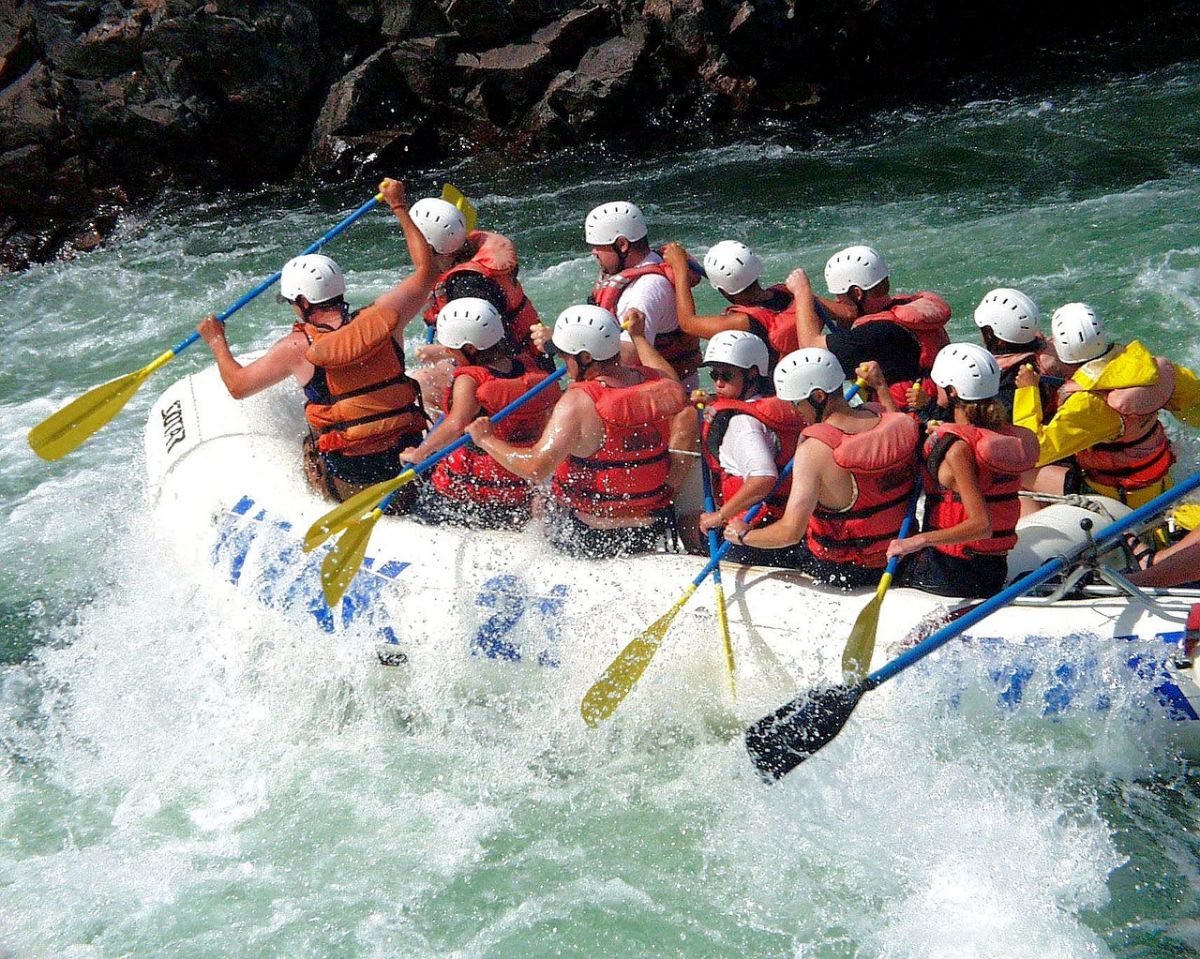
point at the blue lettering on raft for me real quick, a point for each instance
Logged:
(288, 578)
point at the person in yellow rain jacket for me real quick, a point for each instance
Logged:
(1107, 417)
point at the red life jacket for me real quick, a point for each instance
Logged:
(469, 474)
(681, 350)
(1001, 456)
(627, 476)
(924, 315)
(1142, 454)
(495, 257)
(1040, 354)
(882, 461)
(779, 325)
(777, 415)
(359, 399)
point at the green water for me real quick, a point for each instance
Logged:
(181, 774)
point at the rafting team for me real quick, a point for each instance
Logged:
(969, 425)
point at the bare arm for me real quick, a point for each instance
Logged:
(284, 359)
(705, 327)
(957, 472)
(647, 355)
(464, 407)
(558, 441)
(809, 328)
(409, 296)
(806, 487)
(752, 490)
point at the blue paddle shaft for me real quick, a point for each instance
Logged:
(1029, 582)
(709, 504)
(274, 277)
(430, 462)
(906, 526)
(715, 563)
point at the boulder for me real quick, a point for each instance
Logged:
(371, 121)
(30, 110)
(568, 36)
(479, 21)
(600, 90)
(509, 79)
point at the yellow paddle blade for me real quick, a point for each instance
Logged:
(726, 639)
(350, 511)
(342, 564)
(607, 693)
(452, 194)
(860, 647)
(58, 434)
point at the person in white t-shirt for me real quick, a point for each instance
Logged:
(748, 437)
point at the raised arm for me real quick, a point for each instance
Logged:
(408, 297)
(705, 327)
(285, 358)
(809, 328)
(647, 355)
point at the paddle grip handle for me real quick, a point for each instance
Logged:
(431, 461)
(271, 280)
(1031, 581)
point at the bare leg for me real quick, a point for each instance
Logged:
(1174, 565)
(435, 380)
(1048, 479)
(685, 435)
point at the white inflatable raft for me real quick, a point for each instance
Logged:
(229, 490)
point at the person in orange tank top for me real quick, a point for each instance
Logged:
(361, 407)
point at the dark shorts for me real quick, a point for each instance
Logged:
(435, 509)
(339, 477)
(844, 576)
(931, 570)
(790, 557)
(574, 538)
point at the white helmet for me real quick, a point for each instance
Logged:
(441, 223)
(737, 348)
(1012, 315)
(854, 266)
(732, 266)
(469, 320)
(1078, 333)
(313, 276)
(590, 328)
(969, 368)
(799, 373)
(610, 220)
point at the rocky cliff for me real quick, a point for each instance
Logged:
(103, 103)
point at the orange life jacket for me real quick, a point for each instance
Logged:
(359, 399)
(779, 325)
(681, 350)
(1001, 456)
(777, 415)
(627, 476)
(469, 474)
(924, 315)
(495, 257)
(1142, 454)
(882, 461)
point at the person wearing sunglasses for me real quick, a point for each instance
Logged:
(361, 406)
(747, 438)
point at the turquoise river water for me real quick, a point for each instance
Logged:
(155, 801)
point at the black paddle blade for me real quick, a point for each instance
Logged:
(782, 741)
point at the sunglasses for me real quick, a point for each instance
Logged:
(722, 373)
(280, 298)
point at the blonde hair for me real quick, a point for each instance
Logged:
(988, 414)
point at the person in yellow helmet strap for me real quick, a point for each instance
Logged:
(1107, 417)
